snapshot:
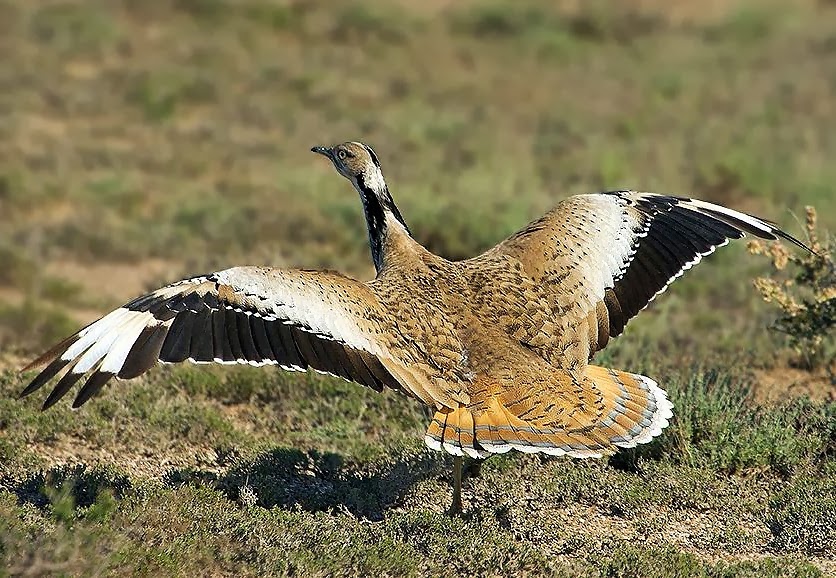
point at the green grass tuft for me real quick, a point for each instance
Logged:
(717, 426)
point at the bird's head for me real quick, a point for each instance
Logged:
(358, 163)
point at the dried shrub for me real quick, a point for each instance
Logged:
(803, 286)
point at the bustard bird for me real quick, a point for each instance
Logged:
(498, 345)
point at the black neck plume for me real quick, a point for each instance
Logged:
(376, 204)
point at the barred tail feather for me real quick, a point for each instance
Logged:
(634, 411)
(638, 408)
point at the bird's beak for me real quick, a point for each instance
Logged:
(324, 151)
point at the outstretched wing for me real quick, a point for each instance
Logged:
(294, 319)
(599, 259)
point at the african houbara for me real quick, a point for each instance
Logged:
(498, 345)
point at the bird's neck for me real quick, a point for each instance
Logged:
(382, 216)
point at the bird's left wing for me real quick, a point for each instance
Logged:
(596, 260)
(253, 315)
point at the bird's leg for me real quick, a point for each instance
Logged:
(456, 507)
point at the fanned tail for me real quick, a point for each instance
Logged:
(631, 409)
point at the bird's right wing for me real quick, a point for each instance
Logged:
(248, 315)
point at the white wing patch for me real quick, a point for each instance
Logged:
(305, 320)
(128, 334)
(301, 301)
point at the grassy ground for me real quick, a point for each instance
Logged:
(146, 141)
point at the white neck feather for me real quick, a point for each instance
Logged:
(374, 180)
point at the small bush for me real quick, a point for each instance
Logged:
(65, 489)
(803, 287)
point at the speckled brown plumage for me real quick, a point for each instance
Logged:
(499, 345)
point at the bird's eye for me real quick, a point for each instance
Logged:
(341, 154)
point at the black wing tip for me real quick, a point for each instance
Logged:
(771, 231)
(779, 233)
(94, 385)
(51, 354)
(787, 237)
(29, 390)
(774, 232)
(53, 398)
(44, 377)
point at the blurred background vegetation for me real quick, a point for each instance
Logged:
(144, 141)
